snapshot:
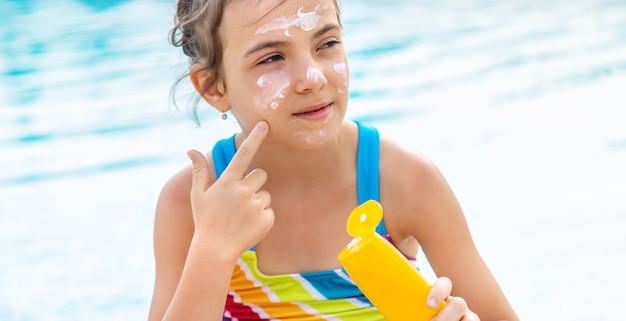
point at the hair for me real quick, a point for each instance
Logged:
(196, 30)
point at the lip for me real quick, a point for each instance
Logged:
(315, 112)
(313, 108)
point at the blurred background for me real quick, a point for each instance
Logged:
(521, 104)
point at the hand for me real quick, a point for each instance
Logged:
(456, 308)
(234, 211)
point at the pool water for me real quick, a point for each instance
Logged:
(521, 104)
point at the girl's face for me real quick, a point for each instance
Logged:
(284, 62)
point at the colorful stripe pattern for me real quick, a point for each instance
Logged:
(324, 295)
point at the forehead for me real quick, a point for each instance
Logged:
(263, 16)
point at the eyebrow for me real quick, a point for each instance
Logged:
(264, 45)
(276, 44)
(327, 27)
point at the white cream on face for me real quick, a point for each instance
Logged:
(313, 74)
(271, 89)
(306, 21)
(342, 69)
(318, 137)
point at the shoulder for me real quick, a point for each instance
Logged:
(415, 193)
(407, 172)
(173, 213)
(421, 209)
(175, 192)
(173, 222)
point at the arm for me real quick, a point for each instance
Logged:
(452, 253)
(201, 229)
(188, 271)
(437, 222)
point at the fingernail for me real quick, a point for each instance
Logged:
(431, 302)
(262, 125)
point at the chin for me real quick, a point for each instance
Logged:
(318, 136)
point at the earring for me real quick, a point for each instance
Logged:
(224, 114)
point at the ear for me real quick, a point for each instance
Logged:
(209, 88)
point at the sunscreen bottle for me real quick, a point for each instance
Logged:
(384, 275)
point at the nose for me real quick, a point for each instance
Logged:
(311, 79)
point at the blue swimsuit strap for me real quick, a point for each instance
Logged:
(367, 164)
(223, 152)
(367, 176)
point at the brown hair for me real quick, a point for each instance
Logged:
(196, 30)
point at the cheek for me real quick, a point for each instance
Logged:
(270, 91)
(342, 69)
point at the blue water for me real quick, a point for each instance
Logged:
(522, 105)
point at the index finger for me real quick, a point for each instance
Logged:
(240, 162)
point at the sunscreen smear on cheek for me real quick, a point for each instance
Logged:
(271, 89)
(342, 69)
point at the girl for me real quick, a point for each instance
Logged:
(252, 230)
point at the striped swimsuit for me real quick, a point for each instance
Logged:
(323, 295)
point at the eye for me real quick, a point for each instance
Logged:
(270, 59)
(329, 44)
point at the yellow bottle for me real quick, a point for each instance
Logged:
(381, 271)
